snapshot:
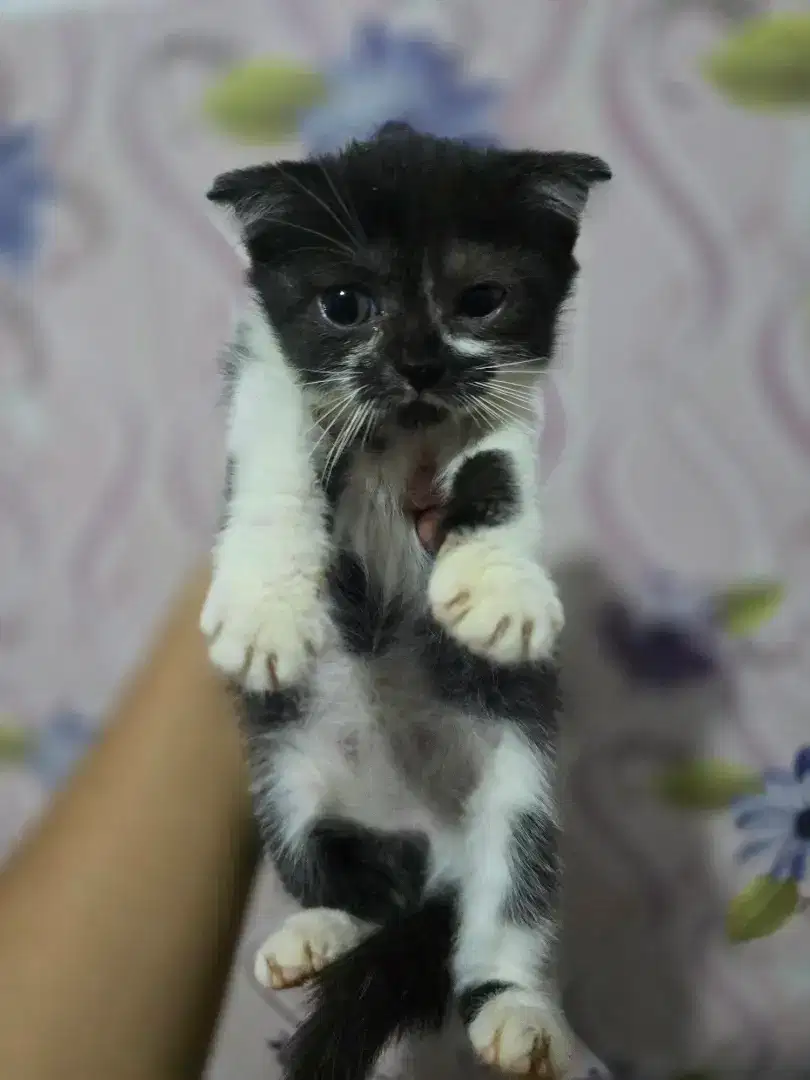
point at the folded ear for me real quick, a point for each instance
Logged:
(562, 182)
(393, 129)
(261, 190)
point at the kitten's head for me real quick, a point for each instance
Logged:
(414, 276)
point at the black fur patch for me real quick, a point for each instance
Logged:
(485, 492)
(536, 869)
(528, 694)
(366, 624)
(368, 873)
(230, 469)
(397, 980)
(261, 713)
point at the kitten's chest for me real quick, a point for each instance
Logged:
(370, 519)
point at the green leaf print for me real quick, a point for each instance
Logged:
(707, 785)
(261, 102)
(743, 609)
(766, 65)
(14, 745)
(761, 908)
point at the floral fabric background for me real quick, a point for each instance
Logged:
(676, 447)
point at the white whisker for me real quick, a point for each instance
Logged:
(316, 198)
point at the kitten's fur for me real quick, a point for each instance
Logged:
(401, 710)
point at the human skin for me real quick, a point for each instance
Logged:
(120, 912)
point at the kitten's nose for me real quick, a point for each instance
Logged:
(420, 375)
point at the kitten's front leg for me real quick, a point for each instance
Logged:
(264, 616)
(488, 588)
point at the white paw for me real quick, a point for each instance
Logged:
(498, 604)
(522, 1032)
(263, 629)
(306, 943)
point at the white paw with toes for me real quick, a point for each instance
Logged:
(305, 944)
(498, 604)
(523, 1033)
(263, 631)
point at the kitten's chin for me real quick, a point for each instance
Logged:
(418, 414)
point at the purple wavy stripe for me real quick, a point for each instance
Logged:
(7, 90)
(764, 1053)
(190, 494)
(75, 81)
(655, 885)
(713, 277)
(614, 534)
(545, 69)
(22, 324)
(772, 358)
(553, 437)
(143, 158)
(608, 823)
(617, 538)
(108, 516)
(89, 212)
(311, 21)
(18, 515)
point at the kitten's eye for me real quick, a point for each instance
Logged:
(480, 300)
(344, 306)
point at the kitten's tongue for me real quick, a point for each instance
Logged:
(423, 502)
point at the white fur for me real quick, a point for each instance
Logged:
(468, 347)
(263, 615)
(496, 603)
(305, 944)
(521, 1032)
(514, 779)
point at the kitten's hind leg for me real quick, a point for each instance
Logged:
(304, 945)
(503, 960)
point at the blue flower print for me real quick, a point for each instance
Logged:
(390, 76)
(24, 184)
(778, 820)
(665, 634)
(60, 746)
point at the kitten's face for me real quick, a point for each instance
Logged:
(410, 277)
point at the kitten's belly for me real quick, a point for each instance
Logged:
(388, 754)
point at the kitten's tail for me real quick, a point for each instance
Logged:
(397, 980)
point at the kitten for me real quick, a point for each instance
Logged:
(401, 709)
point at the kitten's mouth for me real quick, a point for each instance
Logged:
(419, 413)
(424, 505)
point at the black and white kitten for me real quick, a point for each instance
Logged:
(401, 709)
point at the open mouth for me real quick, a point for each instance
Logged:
(419, 414)
(424, 504)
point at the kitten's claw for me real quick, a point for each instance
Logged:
(305, 944)
(262, 631)
(520, 1032)
(494, 602)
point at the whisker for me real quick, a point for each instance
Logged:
(369, 426)
(525, 400)
(503, 413)
(321, 202)
(351, 218)
(343, 405)
(497, 365)
(341, 443)
(334, 245)
(473, 405)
